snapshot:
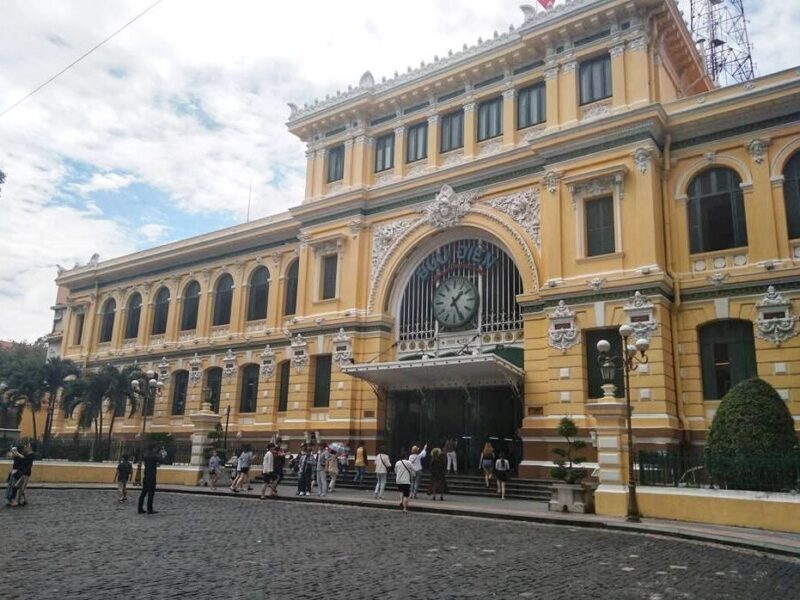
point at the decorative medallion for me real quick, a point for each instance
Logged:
(195, 372)
(229, 364)
(563, 333)
(597, 283)
(267, 362)
(776, 321)
(342, 349)
(551, 179)
(447, 208)
(524, 208)
(641, 156)
(163, 369)
(757, 149)
(299, 353)
(640, 316)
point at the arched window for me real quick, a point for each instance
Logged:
(283, 386)
(161, 312)
(290, 298)
(249, 394)
(191, 303)
(727, 355)
(716, 211)
(107, 324)
(223, 297)
(134, 313)
(214, 383)
(791, 195)
(180, 383)
(259, 295)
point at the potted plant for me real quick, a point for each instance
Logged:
(570, 495)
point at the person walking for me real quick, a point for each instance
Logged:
(267, 469)
(151, 460)
(243, 470)
(487, 461)
(27, 469)
(450, 448)
(438, 468)
(304, 472)
(415, 458)
(403, 474)
(214, 466)
(333, 469)
(123, 476)
(279, 460)
(501, 469)
(382, 465)
(360, 463)
(322, 471)
(14, 476)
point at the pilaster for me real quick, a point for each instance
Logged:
(568, 93)
(348, 163)
(637, 64)
(551, 93)
(618, 77)
(433, 141)
(319, 173)
(359, 161)
(470, 129)
(399, 151)
(509, 116)
(311, 157)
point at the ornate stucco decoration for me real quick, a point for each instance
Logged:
(641, 156)
(229, 364)
(267, 362)
(611, 183)
(551, 179)
(303, 238)
(195, 371)
(776, 322)
(757, 149)
(356, 225)
(447, 208)
(717, 279)
(640, 316)
(563, 333)
(524, 208)
(299, 353)
(383, 238)
(596, 110)
(163, 369)
(342, 349)
(596, 283)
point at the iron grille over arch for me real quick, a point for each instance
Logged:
(486, 266)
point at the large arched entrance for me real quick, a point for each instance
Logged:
(457, 372)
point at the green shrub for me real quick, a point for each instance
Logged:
(566, 470)
(752, 444)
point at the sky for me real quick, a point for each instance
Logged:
(164, 132)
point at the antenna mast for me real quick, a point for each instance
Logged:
(719, 28)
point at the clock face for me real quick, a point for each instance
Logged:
(455, 302)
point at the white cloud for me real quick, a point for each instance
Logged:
(192, 100)
(153, 232)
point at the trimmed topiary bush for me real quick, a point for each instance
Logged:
(752, 444)
(567, 471)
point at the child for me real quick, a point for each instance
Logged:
(501, 468)
(124, 469)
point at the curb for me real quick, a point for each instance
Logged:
(462, 512)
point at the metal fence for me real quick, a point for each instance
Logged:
(736, 472)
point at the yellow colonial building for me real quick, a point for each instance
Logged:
(470, 230)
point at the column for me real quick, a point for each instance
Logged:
(637, 63)
(146, 320)
(470, 129)
(618, 91)
(359, 161)
(348, 163)
(120, 319)
(509, 117)
(568, 93)
(550, 203)
(369, 160)
(310, 170)
(173, 316)
(762, 234)
(319, 173)
(612, 455)
(399, 151)
(551, 93)
(238, 301)
(204, 310)
(433, 141)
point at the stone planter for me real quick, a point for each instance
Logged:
(571, 497)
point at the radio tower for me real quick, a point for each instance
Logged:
(720, 32)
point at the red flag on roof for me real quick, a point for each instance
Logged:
(547, 4)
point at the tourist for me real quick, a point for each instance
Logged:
(322, 470)
(382, 465)
(304, 471)
(151, 461)
(501, 468)
(268, 470)
(450, 447)
(343, 459)
(214, 465)
(438, 468)
(243, 469)
(487, 461)
(360, 463)
(27, 468)
(278, 462)
(123, 476)
(403, 475)
(415, 458)
(332, 468)
(14, 477)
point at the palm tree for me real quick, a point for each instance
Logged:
(56, 372)
(119, 393)
(87, 396)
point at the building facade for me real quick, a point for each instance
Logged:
(470, 230)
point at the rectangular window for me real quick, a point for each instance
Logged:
(600, 226)
(283, 386)
(79, 319)
(595, 79)
(452, 131)
(531, 106)
(336, 163)
(249, 396)
(322, 381)
(329, 267)
(180, 383)
(384, 153)
(417, 142)
(611, 335)
(490, 119)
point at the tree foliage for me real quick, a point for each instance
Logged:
(22, 375)
(567, 471)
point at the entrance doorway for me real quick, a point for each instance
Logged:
(470, 415)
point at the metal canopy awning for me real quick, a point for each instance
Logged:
(439, 373)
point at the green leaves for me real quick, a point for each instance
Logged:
(566, 470)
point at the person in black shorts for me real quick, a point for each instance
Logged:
(124, 469)
(403, 470)
(151, 461)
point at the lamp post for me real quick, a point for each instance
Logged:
(227, 421)
(147, 387)
(632, 357)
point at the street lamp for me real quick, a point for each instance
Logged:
(632, 357)
(147, 386)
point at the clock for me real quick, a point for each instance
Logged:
(455, 302)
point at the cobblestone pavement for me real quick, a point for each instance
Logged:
(83, 544)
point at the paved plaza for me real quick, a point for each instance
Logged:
(83, 544)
